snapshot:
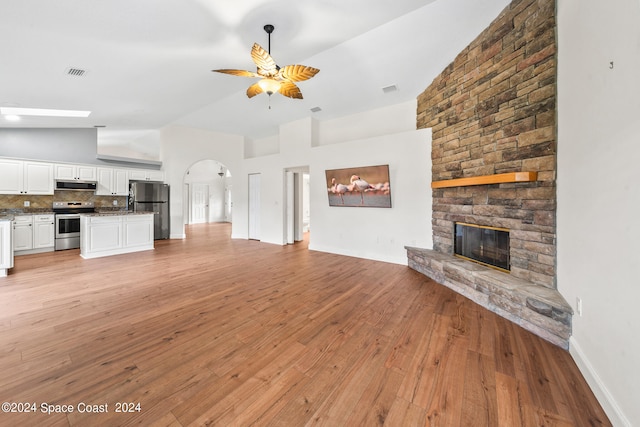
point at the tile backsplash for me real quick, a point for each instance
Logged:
(44, 203)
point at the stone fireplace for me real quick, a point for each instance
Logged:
(492, 112)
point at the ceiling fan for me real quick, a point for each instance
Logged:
(274, 78)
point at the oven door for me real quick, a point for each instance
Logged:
(67, 225)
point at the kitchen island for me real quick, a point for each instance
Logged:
(113, 233)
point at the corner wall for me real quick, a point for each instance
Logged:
(599, 194)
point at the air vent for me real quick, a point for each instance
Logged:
(316, 109)
(389, 89)
(77, 72)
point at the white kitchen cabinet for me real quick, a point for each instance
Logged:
(105, 235)
(44, 231)
(112, 182)
(23, 233)
(146, 175)
(33, 233)
(6, 247)
(75, 172)
(25, 177)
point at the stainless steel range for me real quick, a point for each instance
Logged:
(68, 223)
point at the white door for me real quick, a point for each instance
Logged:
(254, 206)
(290, 186)
(200, 203)
(228, 204)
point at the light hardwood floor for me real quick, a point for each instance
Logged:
(214, 331)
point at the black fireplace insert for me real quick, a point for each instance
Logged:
(485, 245)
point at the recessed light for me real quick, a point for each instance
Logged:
(43, 112)
(12, 118)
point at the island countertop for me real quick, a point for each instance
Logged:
(117, 213)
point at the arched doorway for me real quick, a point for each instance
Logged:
(207, 193)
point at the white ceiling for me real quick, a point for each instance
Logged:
(149, 62)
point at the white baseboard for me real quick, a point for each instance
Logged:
(609, 404)
(178, 236)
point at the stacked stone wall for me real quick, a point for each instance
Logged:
(493, 110)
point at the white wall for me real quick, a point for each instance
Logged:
(599, 194)
(373, 233)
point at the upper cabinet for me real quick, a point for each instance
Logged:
(145, 175)
(75, 172)
(112, 182)
(25, 177)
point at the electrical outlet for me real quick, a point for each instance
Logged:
(579, 306)
(115, 203)
(27, 203)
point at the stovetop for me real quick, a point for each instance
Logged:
(73, 207)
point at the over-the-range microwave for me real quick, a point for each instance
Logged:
(76, 185)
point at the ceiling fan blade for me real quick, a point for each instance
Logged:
(266, 65)
(290, 90)
(241, 73)
(254, 90)
(298, 73)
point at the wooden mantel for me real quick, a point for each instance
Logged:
(499, 178)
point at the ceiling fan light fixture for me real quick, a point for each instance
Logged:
(270, 86)
(273, 77)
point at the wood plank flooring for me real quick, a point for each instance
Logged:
(214, 331)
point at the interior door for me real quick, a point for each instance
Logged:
(290, 195)
(254, 206)
(200, 203)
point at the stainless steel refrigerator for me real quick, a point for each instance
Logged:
(152, 197)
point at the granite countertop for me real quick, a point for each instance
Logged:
(117, 213)
(10, 214)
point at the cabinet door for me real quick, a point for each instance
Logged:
(38, 178)
(22, 237)
(44, 231)
(155, 175)
(120, 183)
(138, 230)
(137, 175)
(103, 234)
(11, 176)
(104, 178)
(86, 173)
(65, 172)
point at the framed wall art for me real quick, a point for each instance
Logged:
(367, 186)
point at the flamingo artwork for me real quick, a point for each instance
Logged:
(339, 189)
(360, 185)
(346, 187)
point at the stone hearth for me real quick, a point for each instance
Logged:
(537, 309)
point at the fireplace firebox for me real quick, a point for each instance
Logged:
(485, 245)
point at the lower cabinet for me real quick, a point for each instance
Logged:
(33, 233)
(105, 235)
(6, 247)
(44, 231)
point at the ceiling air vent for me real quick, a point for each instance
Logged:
(391, 88)
(77, 72)
(316, 109)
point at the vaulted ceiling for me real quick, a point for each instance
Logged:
(148, 63)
